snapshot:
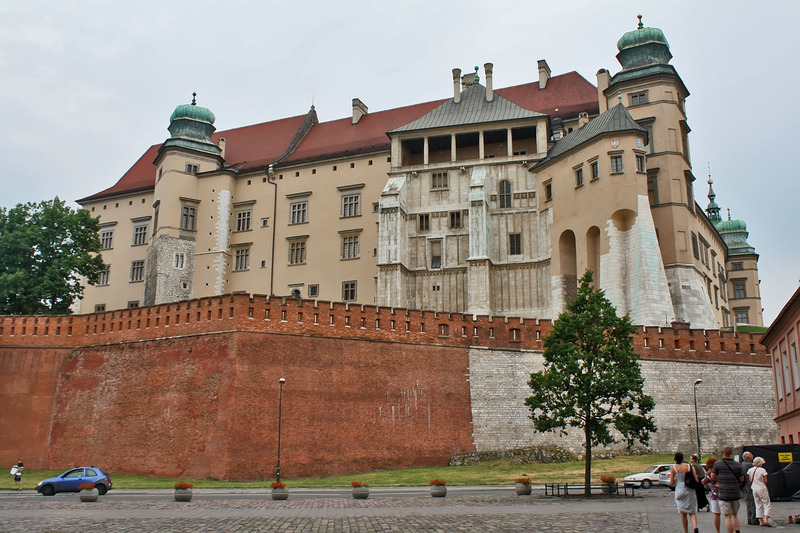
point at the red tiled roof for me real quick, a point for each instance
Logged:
(343, 137)
(569, 92)
(262, 144)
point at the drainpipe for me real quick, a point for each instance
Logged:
(270, 176)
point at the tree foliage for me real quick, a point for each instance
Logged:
(591, 378)
(45, 248)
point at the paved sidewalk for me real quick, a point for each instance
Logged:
(255, 511)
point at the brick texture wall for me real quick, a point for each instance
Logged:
(191, 389)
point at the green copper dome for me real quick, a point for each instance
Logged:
(734, 233)
(643, 47)
(730, 226)
(191, 126)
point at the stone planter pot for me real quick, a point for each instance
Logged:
(360, 493)
(523, 489)
(183, 495)
(89, 495)
(280, 494)
(611, 488)
(438, 491)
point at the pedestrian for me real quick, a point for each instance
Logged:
(747, 491)
(18, 474)
(758, 480)
(713, 492)
(727, 473)
(685, 498)
(700, 489)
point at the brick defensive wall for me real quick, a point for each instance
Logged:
(190, 388)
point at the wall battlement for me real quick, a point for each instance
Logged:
(242, 312)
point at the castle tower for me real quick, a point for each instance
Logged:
(187, 153)
(692, 252)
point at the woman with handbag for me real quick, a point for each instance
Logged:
(685, 497)
(758, 479)
(700, 490)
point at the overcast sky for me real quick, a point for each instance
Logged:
(87, 86)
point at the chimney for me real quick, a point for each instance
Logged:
(221, 144)
(544, 73)
(583, 119)
(489, 92)
(359, 110)
(456, 85)
(603, 81)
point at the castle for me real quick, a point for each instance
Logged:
(492, 201)
(375, 263)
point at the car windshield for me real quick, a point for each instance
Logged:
(652, 469)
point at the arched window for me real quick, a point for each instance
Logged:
(505, 194)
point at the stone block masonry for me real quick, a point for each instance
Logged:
(190, 389)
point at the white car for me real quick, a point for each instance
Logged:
(648, 478)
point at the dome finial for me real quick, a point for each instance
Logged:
(194, 100)
(729, 213)
(639, 16)
(619, 96)
(477, 78)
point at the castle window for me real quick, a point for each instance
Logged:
(297, 252)
(139, 234)
(424, 222)
(595, 170)
(579, 178)
(104, 276)
(188, 216)
(107, 239)
(350, 248)
(652, 188)
(640, 166)
(504, 193)
(436, 254)
(738, 265)
(241, 259)
(349, 291)
(695, 248)
(191, 169)
(313, 291)
(455, 219)
(244, 220)
(638, 98)
(137, 271)
(515, 244)
(742, 316)
(439, 180)
(178, 261)
(351, 205)
(739, 289)
(133, 304)
(376, 207)
(298, 212)
(616, 164)
(100, 308)
(548, 191)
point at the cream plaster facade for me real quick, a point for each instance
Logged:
(488, 202)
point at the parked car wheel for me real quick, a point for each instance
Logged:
(646, 484)
(48, 490)
(101, 489)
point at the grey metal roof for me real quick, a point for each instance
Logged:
(615, 119)
(473, 109)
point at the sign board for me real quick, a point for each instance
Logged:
(785, 457)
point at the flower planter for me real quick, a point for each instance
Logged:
(89, 495)
(610, 488)
(438, 491)
(183, 495)
(360, 493)
(279, 493)
(523, 489)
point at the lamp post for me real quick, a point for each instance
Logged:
(280, 406)
(697, 382)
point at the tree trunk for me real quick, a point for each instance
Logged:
(588, 468)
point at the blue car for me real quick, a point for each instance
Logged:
(70, 480)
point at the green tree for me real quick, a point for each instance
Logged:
(591, 378)
(45, 248)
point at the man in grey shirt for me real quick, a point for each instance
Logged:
(747, 491)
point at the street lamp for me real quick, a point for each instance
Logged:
(697, 382)
(280, 405)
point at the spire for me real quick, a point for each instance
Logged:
(639, 16)
(194, 98)
(713, 209)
